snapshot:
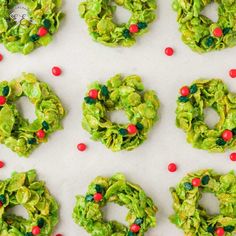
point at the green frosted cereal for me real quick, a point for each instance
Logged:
(191, 217)
(199, 32)
(25, 36)
(98, 15)
(88, 214)
(190, 115)
(126, 94)
(18, 133)
(24, 189)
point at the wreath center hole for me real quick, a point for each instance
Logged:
(115, 212)
(19, 211)
(121, 15)
(19, 12)
(118, 117)
(210, 203)
(211, 11)
(211, 118)
(26, 108)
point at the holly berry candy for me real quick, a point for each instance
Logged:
(56, 71)
(93, 93)
(227, 135)
(172, 167)
(169, 51)
(196, 182)
(42, 31)
(217, 32)
(2, 164)
(133, 28)
(36, 230)
(40, 134)
(132, 129)
(97, 197)
(2, 100)
(232, 73)
(1, 57)
(233, 156)
(81, 147)
(185, 91)
(220, 232)
(135, 228)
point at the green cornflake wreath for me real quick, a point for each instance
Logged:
(120, 94)
(98, 15)
(142, 211)
(199, 32)
(190, 115)
(18, 133)
(24, 189)
(193, 218)
(43, 21)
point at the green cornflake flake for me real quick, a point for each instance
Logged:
(16, 132)
(26, 190)
(192, 217)
(89, 198)
(183, 99)
(193, 89)
(127, 94)
(5, 91)
(89, 215)
(188, 186)
(104, 91)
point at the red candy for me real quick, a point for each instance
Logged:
(172, 167)
(97, 197)
(59, 235)
(2, 164)
(233, 156)
(133, 28)
(1, 57)
(220, 232)
(227, 135)
(135, 228)
(56, 71)
(132, 129)
(1, 204)
(2, 100)
(36, 230)
(196, 182)
(217, 32)
(169, 51)
(42, 31)
(93, 93)
(81, 147)
(184, 91)
(40, 134)
(232, 73)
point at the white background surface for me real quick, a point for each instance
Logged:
(67, 171)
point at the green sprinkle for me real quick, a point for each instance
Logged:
(126, 33)
(89, 100)
(188, 186)
(89, 198)
(99, 188)
(104, 91)
(5, 91)
(131, 233)
(220, 142)
(209, 41)
(31, 141)
(229, 228)
(40, 223)
(234, 131)
(139, 126)
(123, 132)
(3, 199)
(138, 221)
(45, 125)
(47, 23)
(193, 89)
(205, 179)
(226, 30)
(183, 99)
(28, 234)
(211, 229)
(142, 25)
(34, 38)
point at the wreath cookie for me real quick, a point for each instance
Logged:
(88, 214)
(199, 32)
(99, 17)
(18, 133)
(190, 115)
(126, 94)
(30, 32)
(193, 218)
(24, 189)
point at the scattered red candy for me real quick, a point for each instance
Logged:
(172, 167)
(97, 197)
(217, 32)
(132, 129)
(184, 91)
(169, 51)
(40, 134)
(196, 182)
(82, 147)
(1, 57)
(42, 31)
(227, 135)
(220, 232)
(59, 235)
(133, 28)
(93, 93)
(233, 156)
(2, 164)
(36, 230)
(1, 204)
(135, 228)
(56, 71)
(232, 73)
(2, 100)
